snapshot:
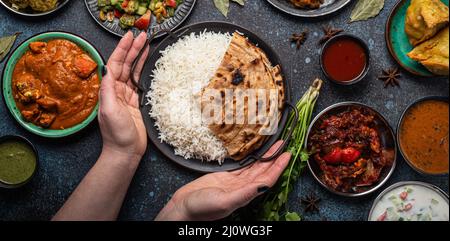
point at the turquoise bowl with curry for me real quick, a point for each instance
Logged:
(397, 41)
(51, 86)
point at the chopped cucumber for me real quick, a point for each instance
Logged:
(132, 7)
(142, 10)
(118, 6)
(103, 3)
(127, 21)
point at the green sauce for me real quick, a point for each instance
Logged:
(17, 162)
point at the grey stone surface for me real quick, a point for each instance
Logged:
(64, 162)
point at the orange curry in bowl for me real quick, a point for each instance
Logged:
(424, 136)
(55, 84)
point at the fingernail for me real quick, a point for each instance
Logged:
(263, 189)
(104, 70)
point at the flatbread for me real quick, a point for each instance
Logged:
(244, 67)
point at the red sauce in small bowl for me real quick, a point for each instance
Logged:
(344, 59)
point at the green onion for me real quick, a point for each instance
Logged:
(274, 204)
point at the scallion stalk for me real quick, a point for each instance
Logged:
(275, 203)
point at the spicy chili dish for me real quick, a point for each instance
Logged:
(349, 150)
(51, 84)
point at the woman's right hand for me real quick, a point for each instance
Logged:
(216, 196)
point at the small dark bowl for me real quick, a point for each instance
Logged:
(387, 139)
(28, 143)
(363, 45)
(28, 13)
(399, 125)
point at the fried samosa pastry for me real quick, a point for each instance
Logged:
(425, 18)
(433, 54)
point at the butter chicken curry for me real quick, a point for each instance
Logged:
(55, 84)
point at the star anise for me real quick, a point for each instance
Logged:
(299, 39)
(311, 202)
(329, 32)
(390, 77)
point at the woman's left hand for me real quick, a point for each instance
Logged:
(216, 196)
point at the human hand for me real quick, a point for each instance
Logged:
(120, 119)
(217, 195)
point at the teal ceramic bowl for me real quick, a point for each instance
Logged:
(397, 40)
(7, 77)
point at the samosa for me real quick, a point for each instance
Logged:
(425, 18)
(433, 54)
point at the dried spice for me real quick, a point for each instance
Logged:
(6, 44)
(329, 32)
(312, 203)
(224, 5)
(390, 77)
(299, 39)
(366, 9)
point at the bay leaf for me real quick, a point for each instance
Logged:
(366, 9)
(240, 2)
(223, 6)
(6, 44)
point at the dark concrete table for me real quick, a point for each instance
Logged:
(64, 162)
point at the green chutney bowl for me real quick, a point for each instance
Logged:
(7, 80)
(398, 42)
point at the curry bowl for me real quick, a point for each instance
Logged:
(27, 12)
(369, 169)
(9, 97)
(435, 130)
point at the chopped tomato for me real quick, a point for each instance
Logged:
(404, 195)
(382, 217)
(125, 3)
(339, 155)
(408, 207)
(117, 13)
(143, 22)
(335, 156)
(171, 3)
(350, 155)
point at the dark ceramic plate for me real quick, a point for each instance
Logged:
(181, 14)
(387, 139)
(166, 149)
(397, 40)
(29, 12)
(329, 7)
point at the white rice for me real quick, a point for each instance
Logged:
(184, 68)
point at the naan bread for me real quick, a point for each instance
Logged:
(434, 53)
(244, 67)
(425, 18)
